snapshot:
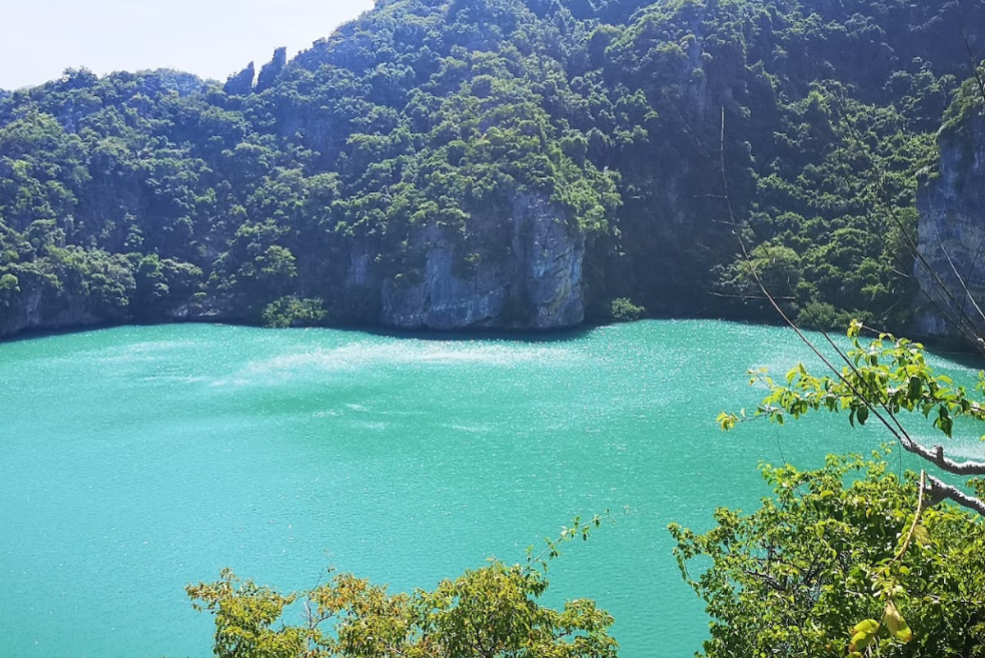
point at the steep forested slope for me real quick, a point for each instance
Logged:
(465, 163)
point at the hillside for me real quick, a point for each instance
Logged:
(493, 163)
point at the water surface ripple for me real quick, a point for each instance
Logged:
(138, 459)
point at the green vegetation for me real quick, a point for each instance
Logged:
(851, 546)
(334, 174)
(624, 310)
(823, 569)
(154, 196)
(293, 312)
(491, 612)
(882, 380)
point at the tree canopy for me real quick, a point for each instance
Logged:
(318, 182)
(837, 563)
(491, 612)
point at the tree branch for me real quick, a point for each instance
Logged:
(936, 457)
(941, 491)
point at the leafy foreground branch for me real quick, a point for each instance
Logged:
(491, 612)
(880, 381)
(796, 577)
(845, 543)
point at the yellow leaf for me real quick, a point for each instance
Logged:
(869, 627)
(891, 617)
(863, 634)
(895, 623)
(922, 535)
(860, 641)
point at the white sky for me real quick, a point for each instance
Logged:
(212, 38)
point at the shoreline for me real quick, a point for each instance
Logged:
(950, 347)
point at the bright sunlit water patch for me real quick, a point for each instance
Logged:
(136, 460)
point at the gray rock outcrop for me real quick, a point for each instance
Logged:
(951, 202)
(32, 313)
(271, 70)
(535, 284)
(241, 84)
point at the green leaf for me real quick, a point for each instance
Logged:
(922, 535)
(862, 415)
(915, 388)
(861, 641)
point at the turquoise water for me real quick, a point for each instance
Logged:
(138, 459)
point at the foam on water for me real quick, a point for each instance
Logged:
(361, 355)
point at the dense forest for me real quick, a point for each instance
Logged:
(501, 163)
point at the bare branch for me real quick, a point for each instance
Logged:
(941, 491)
(916, 519)
(967, 293)
(895, 427)
(936, 456)
(767, 579)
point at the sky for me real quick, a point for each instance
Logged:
(211, 38)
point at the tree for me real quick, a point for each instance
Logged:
(881, 380)
(449, 114)
(490, 612)
(834, 546)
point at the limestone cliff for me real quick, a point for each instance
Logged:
(36, 313)
(951, 202)
(41, 305)
(535, 283)
(525, 274)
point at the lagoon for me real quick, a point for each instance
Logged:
(136, 460)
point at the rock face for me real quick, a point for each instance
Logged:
(31, 314)
(241, 84)
(536, 284)
(952, 234)
(271, 70)
(524, 273)
(43, 307)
